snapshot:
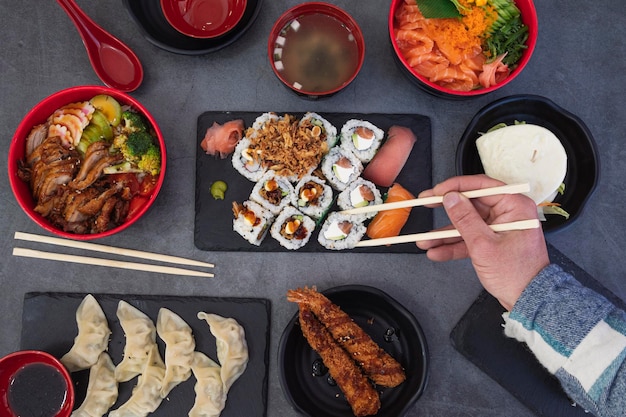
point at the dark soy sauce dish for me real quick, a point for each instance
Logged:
(34, 384)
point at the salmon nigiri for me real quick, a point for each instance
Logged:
(388, 223)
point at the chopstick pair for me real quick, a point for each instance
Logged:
(444, 234)
(31, 253)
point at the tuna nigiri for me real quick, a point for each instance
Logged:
(388, 223)
(222, 139)
(391, 157)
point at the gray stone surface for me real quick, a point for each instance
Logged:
(579, 63)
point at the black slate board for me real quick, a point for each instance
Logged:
(480, 338)
(213, 219)
(48, 324)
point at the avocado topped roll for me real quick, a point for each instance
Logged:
(341, 231)
(312, 196)
(272, 192)
(341, 167)
(361, 138)
(360, 193)
(292, 228)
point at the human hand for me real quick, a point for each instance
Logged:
(505, 262)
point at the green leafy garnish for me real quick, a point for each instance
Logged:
(439, 9)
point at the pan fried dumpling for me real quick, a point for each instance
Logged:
(92, 338)
(232, 348)
(140, 341)
(210, 395)
(146, 396)
(101, 389)
(179, 348)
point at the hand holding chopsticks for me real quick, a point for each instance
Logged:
(109, 262)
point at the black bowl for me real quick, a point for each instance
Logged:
(389, 324)
(582, 162)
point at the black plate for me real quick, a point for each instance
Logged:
(375, 312)
(49, 324)
(582, 163)
(214, 219)
(157, 30)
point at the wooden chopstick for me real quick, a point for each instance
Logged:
(30, 253)
(444, 234)
(110, 249)
(484, 192)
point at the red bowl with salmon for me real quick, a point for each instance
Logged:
(48, 171)
(463, 57)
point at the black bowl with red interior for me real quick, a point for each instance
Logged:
(141, 188)
(425, 65)
(334, 45)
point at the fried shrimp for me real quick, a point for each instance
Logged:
(361, 396)
(377, 364)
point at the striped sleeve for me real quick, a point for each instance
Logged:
(577, 335)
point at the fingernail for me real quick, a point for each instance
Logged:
(451, 199)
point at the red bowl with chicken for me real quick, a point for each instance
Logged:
(63, 187)
(419, 57)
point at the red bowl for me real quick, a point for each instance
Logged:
(308, 9)
(203, 19)
(14, 362)
(529, 18)
(39, 114)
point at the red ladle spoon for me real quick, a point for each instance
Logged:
(115, 63)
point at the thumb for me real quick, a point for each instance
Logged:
(465, 217)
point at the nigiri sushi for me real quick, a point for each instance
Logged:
(388, 223)
(391, 157)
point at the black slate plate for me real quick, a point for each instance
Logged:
(48, 324)
(157, 30)
(213, 219)
(376, 312)
(582, 164)
(480, 338)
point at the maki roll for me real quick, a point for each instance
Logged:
(328, 131)
(292, 228)
(272, 192)
(312, 196)
(361, 138)
(341, 167)
(360, 193)
(261, 120)
(248, 161)
(251, 221)
(340, 231)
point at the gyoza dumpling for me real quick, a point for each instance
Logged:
(101, 389)
(146, 396)
(210, 395)
(179, 348)
(232, 349)
(140, 336)
(92, 338)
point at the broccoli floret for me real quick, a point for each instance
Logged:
(151, 161)
(133, 122)
(136, 145)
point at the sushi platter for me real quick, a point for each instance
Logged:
(213, 229)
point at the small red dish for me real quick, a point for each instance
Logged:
(334, 43)
(529, 18)
(203, 19)
(20, 368)
(39, 114)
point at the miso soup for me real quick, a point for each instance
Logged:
(316, 53)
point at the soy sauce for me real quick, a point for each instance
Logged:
(37, 390)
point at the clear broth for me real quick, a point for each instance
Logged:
(316, 53)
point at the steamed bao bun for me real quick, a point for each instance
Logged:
(525, 153)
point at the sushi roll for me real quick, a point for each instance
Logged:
(247, 161)
(272, 192)
(312, 196)
(360, 193)
(260, 121)
(251, 221)
(341, 167)
(361, 138)
(328, 131)
(292, 228)
(340, 231)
